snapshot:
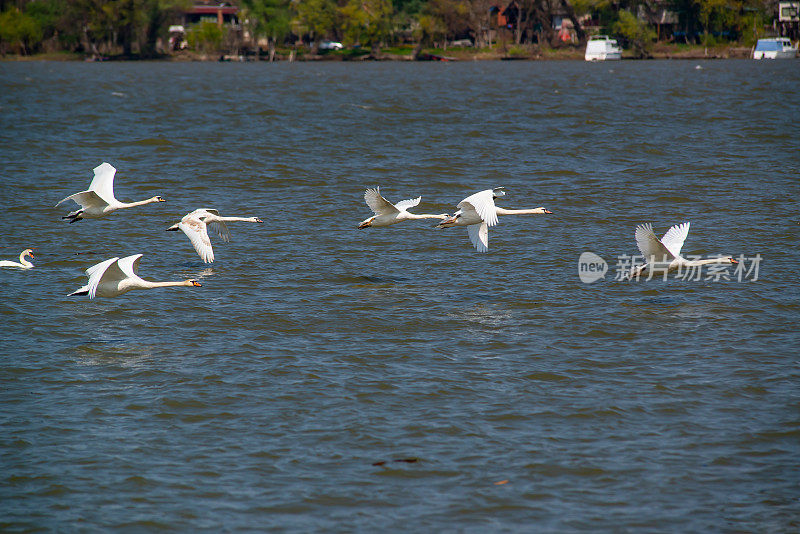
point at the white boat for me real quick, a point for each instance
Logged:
(774, 48)
(602, 48)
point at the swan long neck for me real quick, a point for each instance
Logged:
(710, 261)
(138, 203)
(22, 259)
(441, 216)
(147, 284)
(229, 219)
(501, 211)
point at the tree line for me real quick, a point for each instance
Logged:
(139, 27)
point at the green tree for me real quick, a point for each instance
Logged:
(48, 15)
(637, 33)
(18, 31)
(451, 16)
(367, 22)
(268, 19)
(315, 18)
(428, 29)
(206, 37)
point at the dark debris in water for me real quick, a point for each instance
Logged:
(404, 460)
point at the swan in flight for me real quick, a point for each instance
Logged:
(664, 255)
(99, 200)
(23, 263)
(117, 276)
(478, 212)
(387, 213)
(195, 225)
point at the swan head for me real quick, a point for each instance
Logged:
(158, 199)
(27, 252)
(730, 259)
(366, 223)
(545, 210)
(449, 220)
(257, 219)
(194, 283)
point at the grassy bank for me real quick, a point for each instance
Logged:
(405, 53)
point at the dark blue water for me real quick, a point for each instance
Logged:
(326, 378)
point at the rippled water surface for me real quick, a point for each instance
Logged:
(326, 378)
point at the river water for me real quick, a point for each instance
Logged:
(326, 378)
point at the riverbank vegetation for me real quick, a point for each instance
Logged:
(378, 29)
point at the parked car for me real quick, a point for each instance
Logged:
(330, 45)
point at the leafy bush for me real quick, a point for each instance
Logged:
(206, 37)
(18, 31)
(638, 34)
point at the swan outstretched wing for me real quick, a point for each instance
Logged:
(96, 272)
(221, 229)
(217, 226)
(378, 204)
(483, 204)
(675, 237)
(406, 204)
(479, 235)
(103, 182)
(85, 199)
(649, 244)
(130, 265)
(195, 230)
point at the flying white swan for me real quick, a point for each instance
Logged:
(665, 254)
(99, 200)
(478, 212)
(23, 263)
(116, 276)
(195, 226)
(387, 213)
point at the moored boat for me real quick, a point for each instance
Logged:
(602, 48)
(774, 48)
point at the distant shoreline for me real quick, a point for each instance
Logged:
(574, 53)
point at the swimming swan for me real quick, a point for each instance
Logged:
(195, 226)
(116, 276)
(387, 213)
(99, 200)
(478, 212)
(23, 263)
(664, 255)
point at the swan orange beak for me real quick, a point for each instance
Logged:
(450, 221)
(258, 220)
(365, 224)
(733, 261)
(195, 283)
(548, 211)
